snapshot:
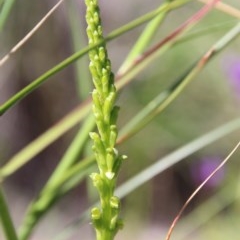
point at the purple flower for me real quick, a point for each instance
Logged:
(202, 169)
(232, 69)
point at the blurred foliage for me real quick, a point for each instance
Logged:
(206, 103)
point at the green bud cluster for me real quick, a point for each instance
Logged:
(106, 218)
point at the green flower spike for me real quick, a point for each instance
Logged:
(105, 218)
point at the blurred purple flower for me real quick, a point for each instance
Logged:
(202, 169)
(232, 69)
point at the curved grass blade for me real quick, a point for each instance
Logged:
(176, 156)
(175, 221)
(203, 213)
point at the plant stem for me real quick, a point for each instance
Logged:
(106, 218)
(6, 219)
(5, 11)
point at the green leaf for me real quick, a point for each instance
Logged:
(6, 219)
(5, 11)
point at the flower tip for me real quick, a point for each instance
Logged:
(110, 175)
(95, 213)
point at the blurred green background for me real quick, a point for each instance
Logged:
(212, 99)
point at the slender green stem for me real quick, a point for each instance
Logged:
(43, 141)
(55, 185)
(72, 154)
(105, 218)
(144, 39)
(84, 86)
(5, 11)
(148, 56)
(6, 219)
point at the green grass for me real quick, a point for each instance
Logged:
(176, 106)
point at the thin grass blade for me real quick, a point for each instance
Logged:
(31, 150)
(160, 103)
(29, 35)
(226, 8)
(5, 11)
(142, 61)
(6, 219)
(83, 83)
(148, 34)
(207, 210)
(175, 221)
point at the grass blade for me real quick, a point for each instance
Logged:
(6, 220)
(5, 11)
(175, 221)
(142, 61)
(158, 104)
(58, 184)
(148, 33)
(83, 83)
(29, 35)
(234, 12)
(36, 146)
(221, 200)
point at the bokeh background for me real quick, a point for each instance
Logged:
(212, 99)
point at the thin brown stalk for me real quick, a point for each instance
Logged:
(223, 7)
(198, 189)
(30, 34)
(170, 38)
